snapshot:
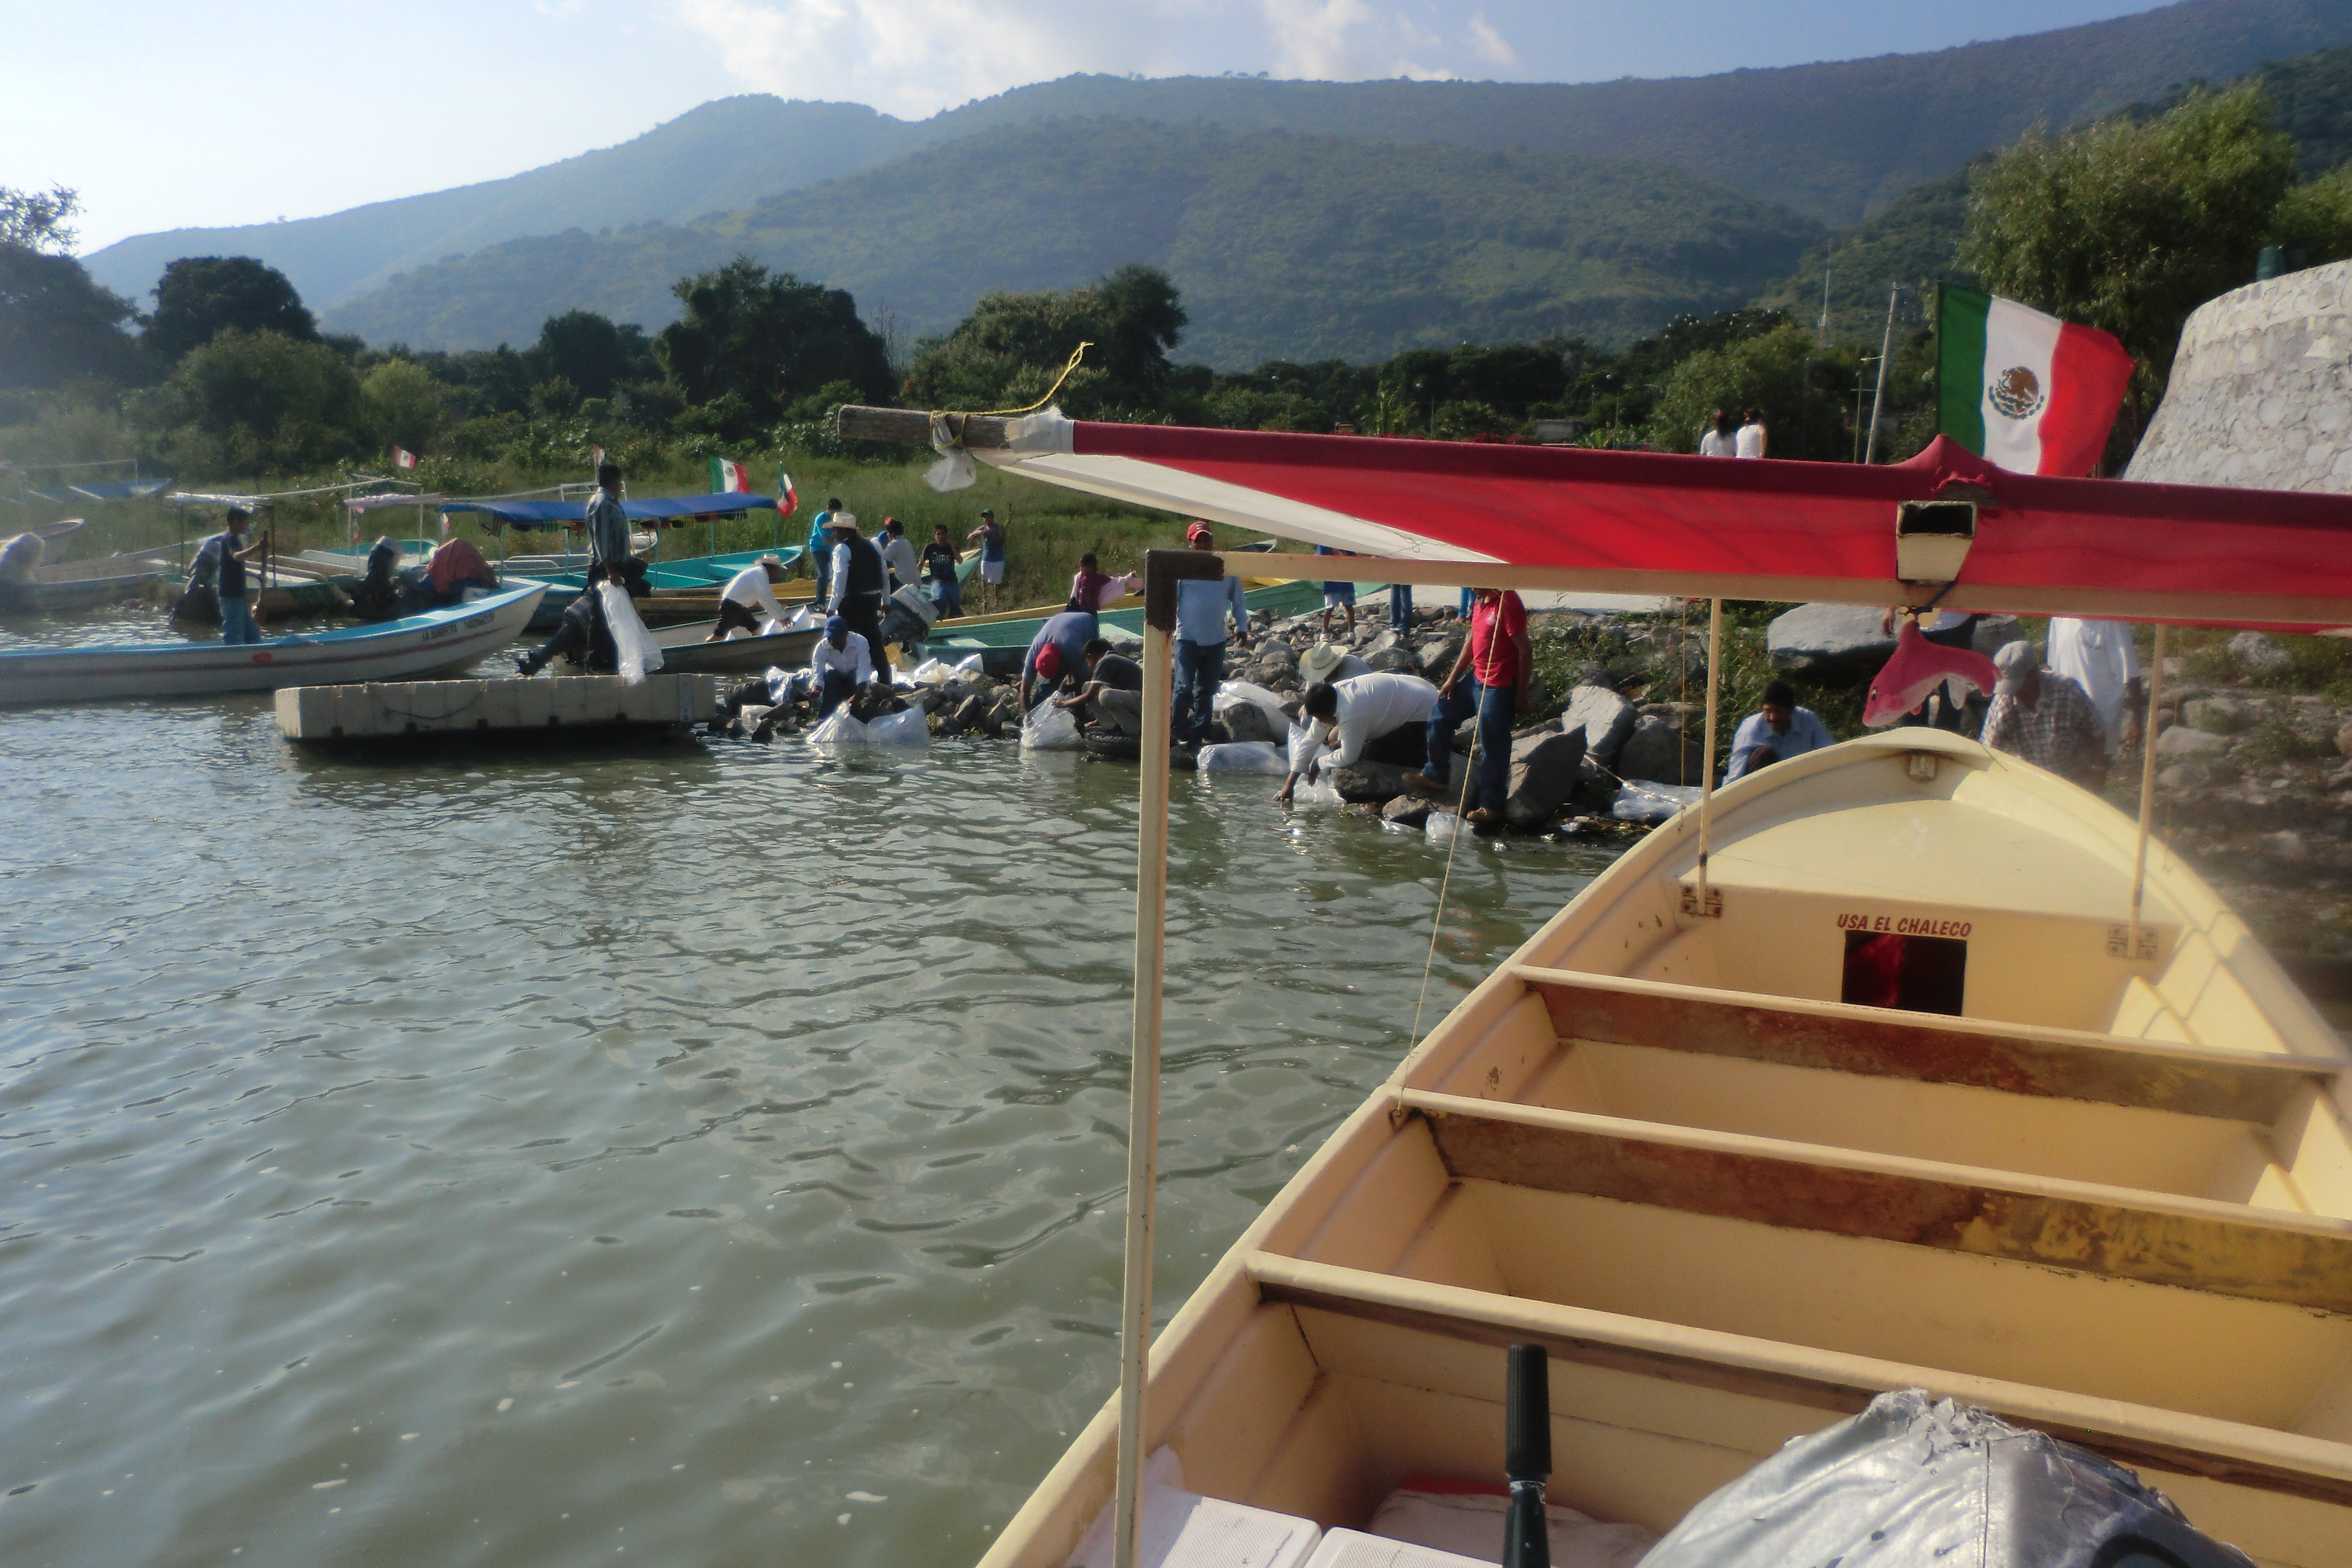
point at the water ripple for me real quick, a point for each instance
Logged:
(497, 1161)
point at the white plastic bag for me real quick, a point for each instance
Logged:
(1319, 791)
(1443, 827)
(841, 729)
(1241, 757)
(804, 616)
(639, 655)
(1232, 691)
(931, 672)
(1050, 728)
(967, 668)
(911, 728)
(1648, 804)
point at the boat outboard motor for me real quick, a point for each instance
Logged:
(1527, 1456)
(377, 598)
(907, 618)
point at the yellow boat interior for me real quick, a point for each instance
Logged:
(1901, 1096)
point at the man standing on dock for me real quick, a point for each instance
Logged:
(858, 579)
(608, 525)
(991, 534)
(749, 595)
(1202, 608)
(839, 666)
(231, 552)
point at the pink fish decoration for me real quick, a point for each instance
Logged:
(1918, 668)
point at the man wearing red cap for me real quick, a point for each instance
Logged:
(1058, 648)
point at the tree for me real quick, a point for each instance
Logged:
(401, 405)
(1012, 346)
(56, 325)
(591, 352)
(1780, 374)
(2129, 225)
(254, 401)
(35, 220)
(770, 338)
(201, 296)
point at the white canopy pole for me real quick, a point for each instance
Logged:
(1162, 571)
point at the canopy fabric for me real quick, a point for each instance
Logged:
(360, 504)
(1638, 521)
(119, 489)
(571, 513)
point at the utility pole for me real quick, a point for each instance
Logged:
(1825, 304)
(1886, 351)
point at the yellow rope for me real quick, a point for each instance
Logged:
(1461, 824)
(939, 415)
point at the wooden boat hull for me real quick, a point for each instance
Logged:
(395, 650)
(2092, 1176)
(85, 584)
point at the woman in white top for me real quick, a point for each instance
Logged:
(1751, 441)
(1717, 441)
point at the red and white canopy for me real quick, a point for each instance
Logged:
(1655, 523)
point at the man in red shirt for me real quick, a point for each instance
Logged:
(1496, 658)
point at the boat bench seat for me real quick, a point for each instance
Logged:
(2285, 1464)
(2223, 1248)
(2013, 1058)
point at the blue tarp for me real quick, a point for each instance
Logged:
(119, 489)
(659, 508)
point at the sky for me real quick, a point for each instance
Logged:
(173, 113)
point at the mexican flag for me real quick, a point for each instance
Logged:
(726, 476)
(788, 500)
(403, 459)
(2027, 391)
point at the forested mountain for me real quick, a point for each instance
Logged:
(1284, 246)
(1832, 142)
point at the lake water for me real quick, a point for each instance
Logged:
(697, 1155)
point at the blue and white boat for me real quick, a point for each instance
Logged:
(429, 643)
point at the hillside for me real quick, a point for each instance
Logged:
(1284, 246)
(1911, 242)
(1834, 141)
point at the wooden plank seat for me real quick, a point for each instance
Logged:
(2285, 1464)
(2013, 1058)
(2267, 1255)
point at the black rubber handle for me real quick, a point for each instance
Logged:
(1527, 1415)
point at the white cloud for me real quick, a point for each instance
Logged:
(1489, 45)
(914, 57)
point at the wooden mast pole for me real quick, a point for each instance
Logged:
(1163, 570)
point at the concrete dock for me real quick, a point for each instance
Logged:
(511, 705)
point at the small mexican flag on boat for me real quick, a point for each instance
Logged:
(726, 476)
(788, 500)
(403, 459)
(2024, 389)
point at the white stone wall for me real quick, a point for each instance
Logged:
(2262, 390)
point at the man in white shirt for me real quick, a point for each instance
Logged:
(2100, 657)
(1349, 718)
(898, 554)
(1717, 440)
(841, 664)
(749, 600)
(1751, 439)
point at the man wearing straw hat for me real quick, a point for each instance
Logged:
(1329, 662)
(749, 600)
